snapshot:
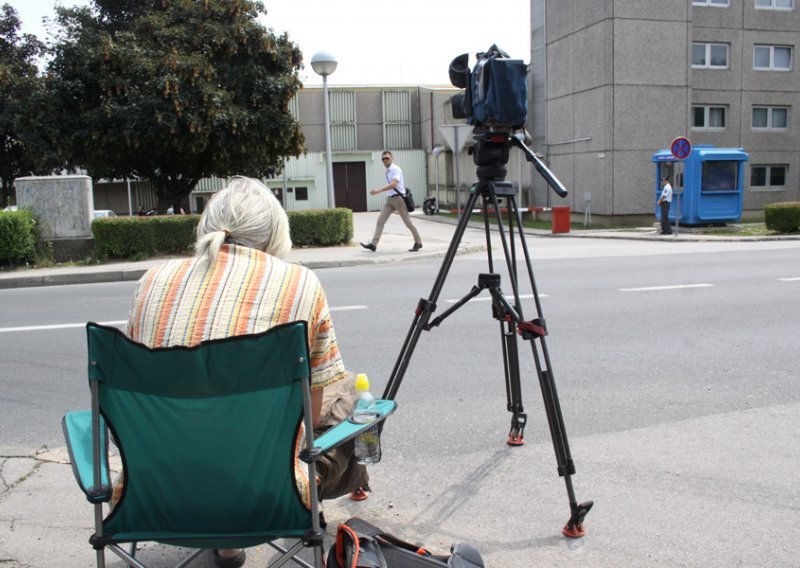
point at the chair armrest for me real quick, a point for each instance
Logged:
(347, 430)
(78, 435)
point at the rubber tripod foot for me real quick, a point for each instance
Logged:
(515, 439)
(359, 495)
(575, 532)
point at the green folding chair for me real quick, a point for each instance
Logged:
(206, 435)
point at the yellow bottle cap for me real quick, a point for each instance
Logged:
(362, 382)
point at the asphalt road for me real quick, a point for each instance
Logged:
(676, 371)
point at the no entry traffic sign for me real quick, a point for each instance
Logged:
(680, 147)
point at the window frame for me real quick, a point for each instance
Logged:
(772, 58)
(706, 115)
(768, 176)
(772, 6)
(708, 45)
(712, 3)
(770, 122)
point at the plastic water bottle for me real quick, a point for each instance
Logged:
(368, 443)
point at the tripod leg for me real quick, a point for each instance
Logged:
(426, 307)
(513, 386)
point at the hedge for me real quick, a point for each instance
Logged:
(782, 217)
(18, 236)
(321, 227)
(142, 237)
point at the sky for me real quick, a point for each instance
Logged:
(409, 42)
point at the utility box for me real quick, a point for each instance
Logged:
(709, 186)
(559, 221)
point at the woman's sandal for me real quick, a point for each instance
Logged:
(232, 562)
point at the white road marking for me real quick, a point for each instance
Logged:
(489, 298)
(120, 322)
(57, 326)
(789, 279)
(657, 288)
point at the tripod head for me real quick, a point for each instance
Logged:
(490, 154)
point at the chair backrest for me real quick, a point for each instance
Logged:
(206, 434)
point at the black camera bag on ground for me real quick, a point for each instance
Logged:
(409, 199)
(362, 545)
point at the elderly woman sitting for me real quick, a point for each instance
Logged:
(236, 284)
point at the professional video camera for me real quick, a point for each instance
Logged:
(495, 102)
(496, 91)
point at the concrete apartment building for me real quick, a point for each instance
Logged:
(613, 81)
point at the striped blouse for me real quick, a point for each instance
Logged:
(184, 302)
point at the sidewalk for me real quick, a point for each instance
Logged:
(45, 519)
(437, 233)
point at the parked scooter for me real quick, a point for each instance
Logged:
(429, 206)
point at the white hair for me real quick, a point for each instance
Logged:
(245, 213)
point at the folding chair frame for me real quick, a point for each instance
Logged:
(87, 437)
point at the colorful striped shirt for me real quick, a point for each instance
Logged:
(184, 302)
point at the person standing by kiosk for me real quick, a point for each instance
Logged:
(664, 202)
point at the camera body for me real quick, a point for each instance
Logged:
(496, 90)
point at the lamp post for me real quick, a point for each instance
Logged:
(324, 64)
(437, 150)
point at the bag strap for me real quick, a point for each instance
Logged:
(343, 533)
(364, 528)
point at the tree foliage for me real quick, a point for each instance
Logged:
(18, 79)
(172, 91)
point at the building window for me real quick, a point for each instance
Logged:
(775, 4)
(301, 194)
(716, 3)
(776, 118)
(343, 120)
(710, 55)
(397, 131)
(772, 58)
(768, 176)
(705, 116)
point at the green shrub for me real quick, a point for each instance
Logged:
(174, 234)
(17, 237)
(783, 217)
(123, 237)
(141, 237)
(321, 227)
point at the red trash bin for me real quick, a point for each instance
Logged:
(559, 220)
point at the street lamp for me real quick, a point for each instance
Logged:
(324, 64)
(437, 150)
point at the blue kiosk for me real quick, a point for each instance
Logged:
(710, 187)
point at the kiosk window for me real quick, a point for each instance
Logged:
(719, 175)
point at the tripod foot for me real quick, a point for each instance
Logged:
(515, 438)
(574, 527)
(515, 434)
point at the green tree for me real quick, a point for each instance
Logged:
(18, 80)
(172, 91)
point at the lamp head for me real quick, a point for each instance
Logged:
(323, 63)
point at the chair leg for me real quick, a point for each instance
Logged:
(101, 558)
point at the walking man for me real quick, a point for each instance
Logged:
(664, 202)
(394, 202)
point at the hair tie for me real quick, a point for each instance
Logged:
(227, 235)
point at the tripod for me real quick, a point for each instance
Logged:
(490, 190)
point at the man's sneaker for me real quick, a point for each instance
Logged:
(370, 246)
(415, 248)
